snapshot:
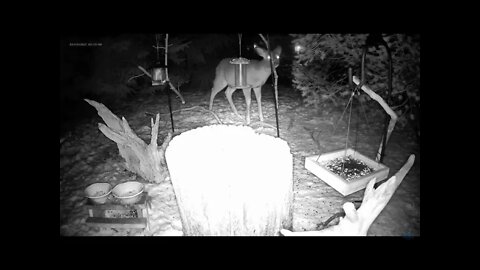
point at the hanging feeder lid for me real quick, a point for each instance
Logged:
(239, 61)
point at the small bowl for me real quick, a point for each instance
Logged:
(98, 192)
(128, 192)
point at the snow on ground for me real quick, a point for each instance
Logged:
(87, 156)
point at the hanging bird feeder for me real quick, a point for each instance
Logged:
(159, 70)
(240, 72)
(347, 170)
(240, 68)
(159, 74)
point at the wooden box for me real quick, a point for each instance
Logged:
(338, 182)
(115, 215)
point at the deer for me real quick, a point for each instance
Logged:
(258, 72)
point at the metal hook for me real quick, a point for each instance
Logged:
(375, 40)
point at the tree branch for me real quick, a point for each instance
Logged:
(133, 77)
(176, 91)
(393, 115)
(145, 71)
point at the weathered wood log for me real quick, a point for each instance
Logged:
(229, 180)
(357, 222)
(148, 161)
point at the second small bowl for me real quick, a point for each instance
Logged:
(128, 192)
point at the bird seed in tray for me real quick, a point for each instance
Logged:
(121, 213)
(348, 167)
(347, 171)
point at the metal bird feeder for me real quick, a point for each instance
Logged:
(159, 74)
(240, 72)
(159, 70)
(240, 68)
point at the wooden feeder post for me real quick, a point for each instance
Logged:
(240, 72)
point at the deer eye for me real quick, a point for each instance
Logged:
(268, 57)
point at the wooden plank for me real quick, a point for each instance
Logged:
(94, 211)
(97, 212)
(118, 222)
(138, 207)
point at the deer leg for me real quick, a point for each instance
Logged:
(212, 96)
(215, 89)
(258, 96)
(229, 93)
(247, 92)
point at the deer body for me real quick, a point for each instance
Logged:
(258, 72)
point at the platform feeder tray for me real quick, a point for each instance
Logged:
(347, 171)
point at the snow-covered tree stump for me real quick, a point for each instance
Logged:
(148, 161)
(229, 180)
(357, 221)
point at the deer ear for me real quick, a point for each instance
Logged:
(260, 51)
(278, 50)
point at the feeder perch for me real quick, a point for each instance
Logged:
(240, 72)
(316, 165)
(159, 75)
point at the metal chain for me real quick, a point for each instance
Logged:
(341, 117)
(348, 126)
(157, 47)
(240, 44)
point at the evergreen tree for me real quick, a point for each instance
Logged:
(320, 70)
